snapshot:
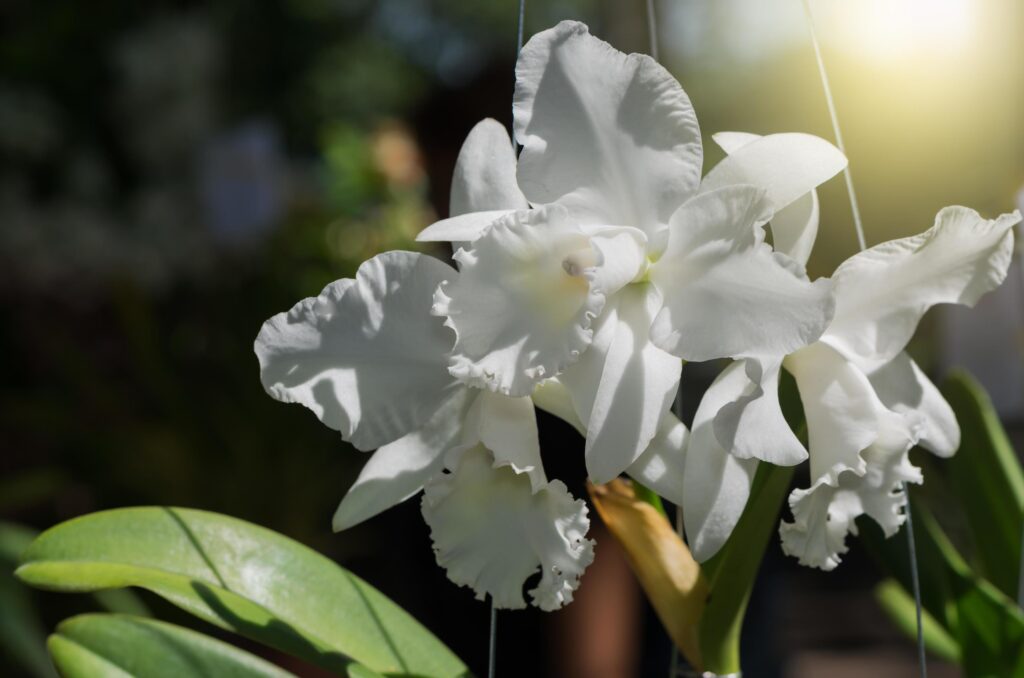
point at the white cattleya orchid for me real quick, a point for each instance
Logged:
(622, 236)
(369, 359)
(865, 401)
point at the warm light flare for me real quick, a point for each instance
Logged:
(889, 29)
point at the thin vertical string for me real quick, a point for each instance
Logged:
(915, 580)
(492, 646)
(858, 224)
(1019, 255)
(519, 33)
(492, 650)
(652, 29)
(677, 408)
(677, 404)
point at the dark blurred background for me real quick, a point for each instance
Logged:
(174, 173)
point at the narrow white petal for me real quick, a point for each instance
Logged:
(882, 293)
(716, 484)
(508, 428)
(795, 225)
(905, 388)
(730, 142)
(611, 136)
(485, 172)
(662, 465)
(492, 532)
(399, 470)
(795, 228)
(461, 228)
(365, 356)
(727, 294)
(623, 385)
(523, 304)
(824, 514)
(786, 165)
(553, 397)
(750, 423)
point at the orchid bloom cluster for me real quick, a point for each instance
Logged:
(588, 270)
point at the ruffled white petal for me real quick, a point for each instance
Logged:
(623, 385)
(485, 172)
(794, 226)
(824, 514)
(844, 415)
(462, 228)
(662, 465)
(523, 304)
(399, 470)
(786, 165)
(903, 387)
(609, 135)
(716, 484)
(491, 532)
(366, 355)
(882, 293)
(751, 424)
(727, 294)
(508, 428)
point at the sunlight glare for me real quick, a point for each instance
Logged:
(888, 29)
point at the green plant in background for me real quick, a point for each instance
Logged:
(972, 613)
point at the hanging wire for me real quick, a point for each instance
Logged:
(492, 649)
(492, 646)
(674, 668)
(1020, 571)
(858, 224)
(915, 580)
(519, 33)
(652, 29)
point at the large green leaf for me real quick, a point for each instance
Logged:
(241, 577)
(988, 481)
(119, 645)
(21, 631)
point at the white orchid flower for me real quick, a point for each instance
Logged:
(370, 360)
(620, 237)
(865, 401)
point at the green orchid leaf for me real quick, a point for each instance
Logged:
(119, 645)
(900, 606)
(360, 671)
(988, 481)
(22, 635)
(243, 578)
